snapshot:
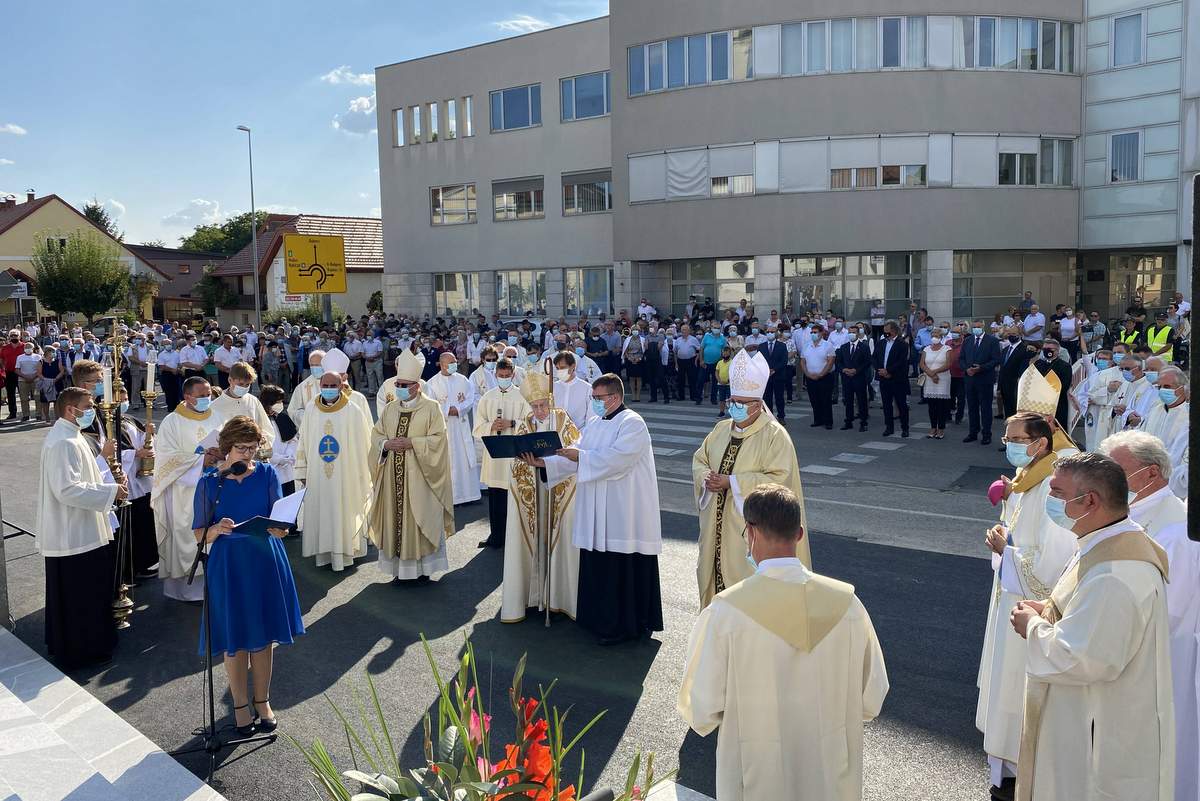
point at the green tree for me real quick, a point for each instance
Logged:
(84, 275)
(99, 217)
(225, 238)
(213, 292)
(154, 243)
(375, 302)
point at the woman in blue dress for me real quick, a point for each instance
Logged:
(251, 593)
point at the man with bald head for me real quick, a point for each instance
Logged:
(455, 394)
(1168, 419)
(308, 389)
(1135, 392)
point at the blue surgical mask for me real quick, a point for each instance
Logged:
(403, 393)
(512, 340)
(598, 407)
(238, 391)
(330, 393)
(1152, 376)
(86, 419)
(1127, 375)
(815, 336)
(1102, 364)
(452, 368)
(1018, 454)
(490, 366)
(750, 561)
(317, 371)
(580, 351)
(977, 331)
(1056, 510)
(738, 412)
(98, 390)
(1168, 396)
(202, 404)
(504, 383)
(124, 407)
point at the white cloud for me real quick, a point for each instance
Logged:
(276, 208)
(13, 128)
(115, 208)
(6, 162)
(522, 23)
(363, 195)
(345, 75)
(359, 119)
(198, 211)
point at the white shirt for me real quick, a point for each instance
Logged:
(27, 365)
(1033, 321)
(352, 348)
(645, 311)
(194, 355)
(372, 348)
(227, 357)
(169, 358)
(817, 354)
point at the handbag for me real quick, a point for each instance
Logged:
(921, 380)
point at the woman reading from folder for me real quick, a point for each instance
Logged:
(251, 593)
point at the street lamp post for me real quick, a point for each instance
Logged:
(253, 233)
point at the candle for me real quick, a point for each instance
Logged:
(107, 379)
(150, 365)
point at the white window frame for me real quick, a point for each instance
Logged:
(467, 210)
(607, 92)
(828, 27)
(1112, 41)
(903, 42)
(829, 45)
(1057, 46)
(854, 178)
(468, 114)
(1057, 166)
(398, 127)
(978, 40)
(528, 87)
(1141, 156)
(580, 212)
(1016, 184)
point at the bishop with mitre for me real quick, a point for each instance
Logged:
(749, 449)
(455, 395)
(333, 461)
(412, 506)
(306, 391)
(541, 563)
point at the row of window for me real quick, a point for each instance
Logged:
(522, 293)
(847, 45)
(425, 124)
(589, 193)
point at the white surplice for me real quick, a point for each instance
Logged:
(1107, 730)
(790, 718)
(1028, 568)
(306, 391)
(457, 392)
(1173, 427)
(74, 501)
(1136, 397)
(226, 407)
(1164, 517)
(178, 465)
(1098, 420)
(333, 460)
(575, 397)
(616, 484)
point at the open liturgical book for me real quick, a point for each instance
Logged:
(539, 443)
(283, 515)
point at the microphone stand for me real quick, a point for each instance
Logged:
(212, 743)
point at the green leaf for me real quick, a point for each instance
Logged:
(450, 746)
(631, 777)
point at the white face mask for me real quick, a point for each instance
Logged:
(562, 374)
(238, 391)
(277, 408)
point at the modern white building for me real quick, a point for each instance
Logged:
(792, 156)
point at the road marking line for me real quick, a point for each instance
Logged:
(853, 458)
(883, 446)
(822, 469)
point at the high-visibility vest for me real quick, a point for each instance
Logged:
(1130, 338)
(1157, 338)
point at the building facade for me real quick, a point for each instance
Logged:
(676, 149)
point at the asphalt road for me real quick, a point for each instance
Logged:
(904, 527)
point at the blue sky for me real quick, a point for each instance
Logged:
(137, 103)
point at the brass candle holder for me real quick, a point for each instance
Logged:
(122, 605)
(146, 466)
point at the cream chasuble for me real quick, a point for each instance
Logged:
(540, 522)
(1099, 721)
(456, 392)
(412, 507)
(504, 404)
(1098, 420)
(178, 465)
(1037, 552)
(761, 453)
(333, 461)
(227, 407)
(1164, 517)
(787, 664)
(305, 393)
(1172, 427)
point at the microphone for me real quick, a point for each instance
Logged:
(235, 469)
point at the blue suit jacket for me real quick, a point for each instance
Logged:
(987, 355)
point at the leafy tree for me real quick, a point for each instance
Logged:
(99, 217)
(225, 238)
(213, 291)
(154, 243)
(375, 302)
(84, 275)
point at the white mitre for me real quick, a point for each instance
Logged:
(748, 375)
(409, 366)
(336, 362)
(1038, 393)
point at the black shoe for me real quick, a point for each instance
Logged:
(848, 426)
(828, 426)
(249, 728)
(422, 579)
(482, 544)
(887, 432)
(862, 427)
(970, 437)
(1006, 791)
(25, 419)
(904, 434)
(985, 441)
(814, 425)
(267, 725)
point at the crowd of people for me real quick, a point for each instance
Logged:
(1089, 528)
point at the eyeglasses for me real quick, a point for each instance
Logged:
(248, 449)
(1016, 440)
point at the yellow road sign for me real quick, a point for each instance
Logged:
(315, 264)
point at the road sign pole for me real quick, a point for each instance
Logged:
(327, 309)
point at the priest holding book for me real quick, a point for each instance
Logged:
(616, 485)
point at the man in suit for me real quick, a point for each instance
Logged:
(1047, 361)
(776, 354)
(853, 364)
(979, 359)
(1013, 361)
(891, 367)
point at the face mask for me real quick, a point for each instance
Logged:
(403, 393)
(1168, 396)
(489, 366)
(977, 331)
(853, 336)
(29, 349)
(562, 374)
(753, 330)
(598, 407)
(815, 336)
(1056, 510)
(1127, 375)
(1102, 364)
(504, 383)
(452, 368)
(1018, 454)
(330, 393)
(935, 341)
(580, 351)
(1152, 376)
(838, 326)
(750, 561)
(277, 408)
(202, 404)
(316, 371)
(98, 390)
(1049, 354)
(86, 419)
(738, 412)
(512, 340)
(124, 407)
(1132, 496)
